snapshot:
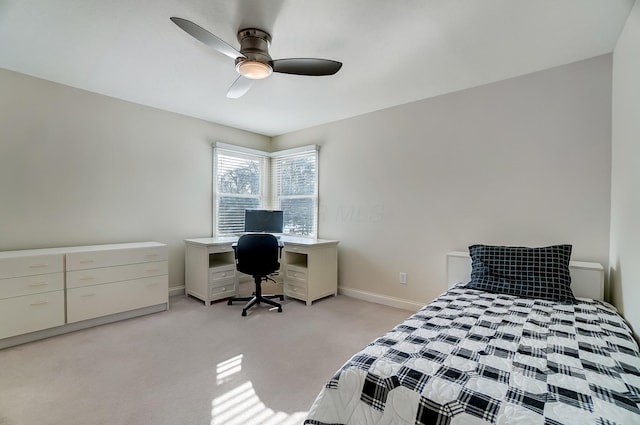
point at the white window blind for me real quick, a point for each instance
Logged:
(294, 189)
(239, 184)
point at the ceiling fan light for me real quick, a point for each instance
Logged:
(254, 70)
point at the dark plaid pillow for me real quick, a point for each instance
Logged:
(524, 272)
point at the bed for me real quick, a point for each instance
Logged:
(480, 356)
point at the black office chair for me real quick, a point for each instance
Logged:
(258, 255)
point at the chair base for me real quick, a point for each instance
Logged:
(258, 298)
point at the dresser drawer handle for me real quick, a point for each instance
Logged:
(39, 303)
(88, 295)
(149, 285)
(38, 266)
(36, 284)
(151, 255)
(86, 278)
(152, 270)
(86, 261)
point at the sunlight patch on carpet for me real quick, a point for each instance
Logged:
(241, 405)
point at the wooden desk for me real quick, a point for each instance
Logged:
(309, 268)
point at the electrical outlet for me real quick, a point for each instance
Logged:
(403, 278)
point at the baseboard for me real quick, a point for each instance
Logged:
(176, 290)
(380, 299)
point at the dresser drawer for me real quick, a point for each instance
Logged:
(31, 265)
(28, 285)
(30, 313)
(115, 257)
(101, 300)
(78, 278)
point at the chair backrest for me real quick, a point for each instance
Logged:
(257, 254)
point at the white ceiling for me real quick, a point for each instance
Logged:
(393, 52)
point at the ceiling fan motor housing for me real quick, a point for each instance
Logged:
(254, 44)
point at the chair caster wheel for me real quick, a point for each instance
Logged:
(244, 313)
(279, 309)
(281, 297)
(229, 302)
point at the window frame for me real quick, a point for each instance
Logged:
(275, 184)
(241, 153)
(268, 196)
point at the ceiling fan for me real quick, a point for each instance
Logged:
(253, 61)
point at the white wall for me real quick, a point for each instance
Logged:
(523, 161)
(77, 168)
(625, 179)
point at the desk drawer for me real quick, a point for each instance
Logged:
(79, 278)
(28, 285)
(295, 290)
(296, 274)
(221, 273)
(297, 248)
(224, 291)
(30, 265)
(30, 313)
(115, 257)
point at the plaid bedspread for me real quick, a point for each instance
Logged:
(473, 357)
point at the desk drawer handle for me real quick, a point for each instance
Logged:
(36, 284)
(151, 255)
(88, 295)
(86, 278)
(39, 303)
(38, 266)
(86, 261)
(152, 270)
(149, 285)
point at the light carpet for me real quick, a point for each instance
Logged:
(190, 365)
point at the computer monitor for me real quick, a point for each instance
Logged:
(263, 221)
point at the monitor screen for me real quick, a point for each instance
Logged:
(267, 221)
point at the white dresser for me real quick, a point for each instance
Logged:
(46, 292)
(31, 292)
(103, 280)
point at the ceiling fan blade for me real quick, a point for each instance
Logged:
(306, 66)
(239, 87)
(206, 37)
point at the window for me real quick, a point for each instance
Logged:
(247, 178)
(294, 186)
(239, 184)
